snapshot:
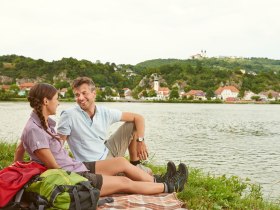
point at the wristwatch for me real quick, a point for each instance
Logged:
(140, 139)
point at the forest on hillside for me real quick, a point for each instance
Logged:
(207, 74)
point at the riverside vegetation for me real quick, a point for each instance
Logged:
(203, 191)
(207, 74)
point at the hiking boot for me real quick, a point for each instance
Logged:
(170, 172)
(178, 181)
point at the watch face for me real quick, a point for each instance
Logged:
(140, 139)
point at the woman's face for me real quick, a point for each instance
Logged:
(52, 104)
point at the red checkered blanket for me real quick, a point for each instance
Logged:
(136, 201)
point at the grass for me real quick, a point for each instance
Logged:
(203, 191)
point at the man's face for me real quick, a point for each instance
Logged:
(84, 96)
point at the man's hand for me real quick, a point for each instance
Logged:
(142, 151)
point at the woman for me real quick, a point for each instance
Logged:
(43, 145)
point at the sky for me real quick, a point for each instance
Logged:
(132, 31)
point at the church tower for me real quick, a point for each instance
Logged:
(156, 83)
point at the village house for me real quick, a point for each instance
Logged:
(270, 95)
(24, 87)
(248, 95)
(127, 93)
(227, 93)
(62, 92)
(195, 94)
(5, 87)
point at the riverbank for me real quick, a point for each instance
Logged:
(162, 101)
(203, 191)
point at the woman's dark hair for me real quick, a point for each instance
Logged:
(36, 98)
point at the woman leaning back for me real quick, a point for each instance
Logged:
(43, 145)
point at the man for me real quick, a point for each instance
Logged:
(86, 126)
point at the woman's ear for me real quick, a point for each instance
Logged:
(45, 101)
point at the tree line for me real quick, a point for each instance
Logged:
(255, 74)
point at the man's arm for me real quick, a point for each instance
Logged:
(138, 121)
(19, 153)
(46, 157)
(64, 128)
(142, 151)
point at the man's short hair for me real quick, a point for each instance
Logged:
(83, 80)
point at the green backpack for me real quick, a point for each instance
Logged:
(59, 189)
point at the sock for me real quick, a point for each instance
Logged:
(135, 162)
(155, 180)
(165, 189)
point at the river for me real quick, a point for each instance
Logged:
(231, 139)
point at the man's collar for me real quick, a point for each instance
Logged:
(80, 109)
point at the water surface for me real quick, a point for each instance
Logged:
(227, 139)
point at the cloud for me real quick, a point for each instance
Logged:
(126, 31)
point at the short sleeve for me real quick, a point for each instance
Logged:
(115, 115)
(64, 127)
(35, 140)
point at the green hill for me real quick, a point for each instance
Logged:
(207, 74)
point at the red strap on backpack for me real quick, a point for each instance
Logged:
(13, 177)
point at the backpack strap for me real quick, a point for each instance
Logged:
(37, 202)
(100, 202)
(59, 189)
(76, 198)
(19, 195)
(87, 184)
(33, 207)
(105, 200)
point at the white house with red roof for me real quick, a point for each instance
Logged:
(227, 92)
(163, 93)
(26, 86)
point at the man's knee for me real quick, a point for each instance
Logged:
(121, 161)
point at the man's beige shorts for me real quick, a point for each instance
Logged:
(119, 142)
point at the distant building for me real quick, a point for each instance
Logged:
(26, 86)
(270, 95)
(5, 87)
(196, 94)
(252, 73)
(226, 92)
(127, 93)
(162, 92)
(200, 55)
(130, 73)
(63, 92)
(248, 95)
